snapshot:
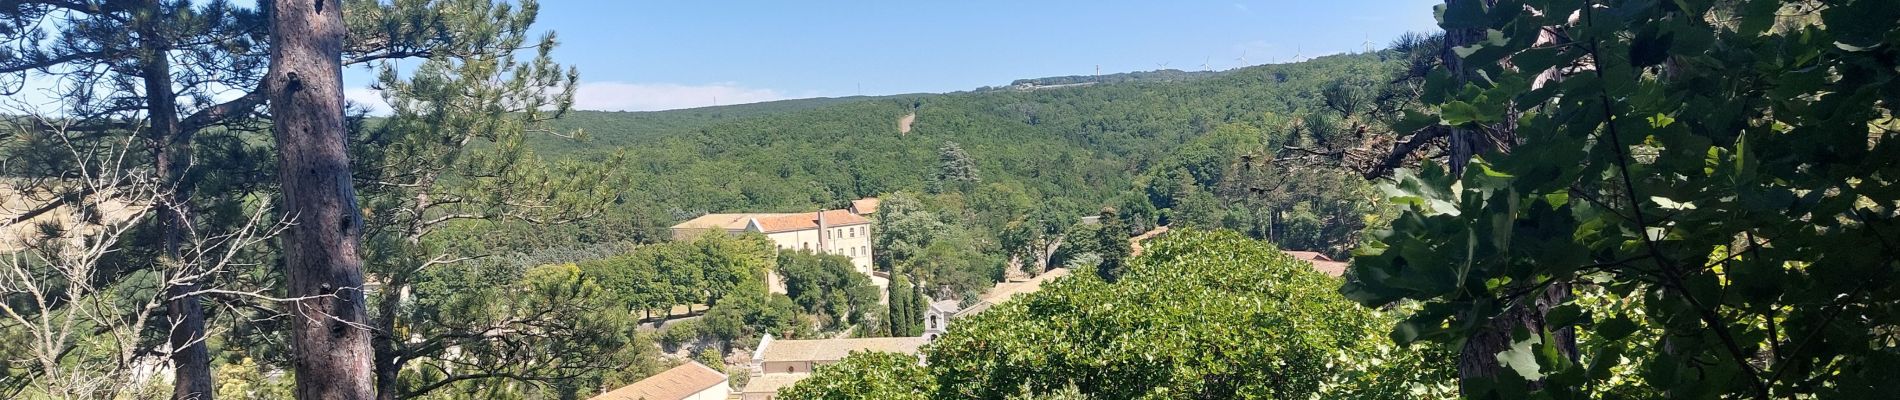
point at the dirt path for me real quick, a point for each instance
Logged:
(903, 123)
(1134, 244)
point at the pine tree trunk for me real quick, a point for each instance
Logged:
(321, 255)
(191, 363)
(387, 352)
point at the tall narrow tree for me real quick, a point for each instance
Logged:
(148, 68)
(323, 267)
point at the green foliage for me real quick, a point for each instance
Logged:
(746, 316)
(711, 358)
(1083, 146)
(955, 169)
(590, 340)
(702, 270)
(1031, 239)
(864, 375)
(245, 379)
(617, 129)
(1110, 244)
(904, 228)
(1199, 315)
(932, 239)
(906, 316)
(1716, 182)
(828, 286)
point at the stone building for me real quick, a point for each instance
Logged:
(840, 232)
(780, 363)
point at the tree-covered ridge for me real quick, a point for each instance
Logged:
(630, 128)
(1201, 314)
(1084, 145)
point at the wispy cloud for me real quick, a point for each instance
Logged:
(624, 96)
(1242, 8)
(370, 99)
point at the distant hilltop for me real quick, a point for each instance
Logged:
(1083, 80)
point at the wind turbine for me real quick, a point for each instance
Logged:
(1243, 58)
(1296, 53)
(1204, 61)
(1161, 65)
(1368, 43)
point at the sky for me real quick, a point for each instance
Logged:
(642, 55)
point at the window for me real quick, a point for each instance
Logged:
(854, 252)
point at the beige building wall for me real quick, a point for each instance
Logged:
(783, 367)
(795, 240)
(721, 391)
(852, 241)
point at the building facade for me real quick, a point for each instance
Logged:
(838, 232)
(780, 363)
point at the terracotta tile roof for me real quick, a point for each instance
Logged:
(771, 383)
(1321, 262)
(803, 221)
(773, 222)
(677, 383)
(731, 222)
(1331, 268)
(826, 350)
(866, 205)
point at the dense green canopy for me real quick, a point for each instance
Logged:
(1199, 315)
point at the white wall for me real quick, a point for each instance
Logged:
(721, 391)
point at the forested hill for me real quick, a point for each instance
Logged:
(622, 128)
(1080, 145)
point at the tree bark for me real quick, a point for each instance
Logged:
(171, 151)
(387, 352)
(1463, 142)
(1477, 360)
(322, 260)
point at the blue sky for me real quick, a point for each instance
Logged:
(647, 55)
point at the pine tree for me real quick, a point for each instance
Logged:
(1111, 243)
(322, 260)
(453, 158)
(955, 169)
(160, 64)
(140, 40)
